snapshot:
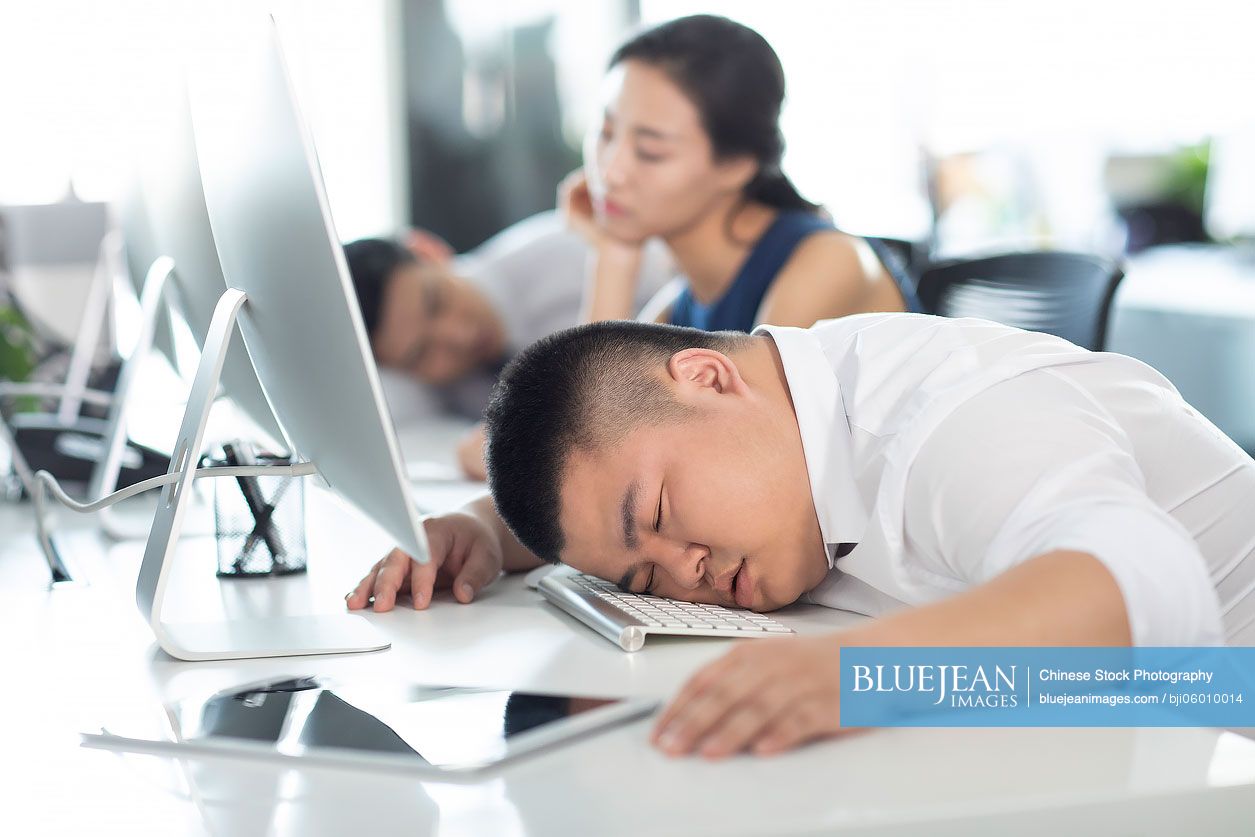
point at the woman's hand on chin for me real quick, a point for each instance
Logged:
(575, 203)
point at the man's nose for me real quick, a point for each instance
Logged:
(683, 561)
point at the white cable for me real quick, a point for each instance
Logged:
(48, 389)
(45, 481)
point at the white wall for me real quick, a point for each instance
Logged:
(344, 58)
(871, 82)
(70, 71)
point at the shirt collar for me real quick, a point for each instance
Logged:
(825, 431)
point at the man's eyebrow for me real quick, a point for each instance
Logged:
(627, 513)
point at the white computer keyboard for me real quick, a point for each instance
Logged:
(627, 618)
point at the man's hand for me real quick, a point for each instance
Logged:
(765, 696)
(426, 246)
(471, 453)
(465, 556)
(770, 695)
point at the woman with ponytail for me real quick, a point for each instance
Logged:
(688, 150)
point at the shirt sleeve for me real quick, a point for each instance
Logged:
(1034, 465)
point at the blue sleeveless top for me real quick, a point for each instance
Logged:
(736, 309)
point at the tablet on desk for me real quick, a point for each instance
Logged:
(400, 726)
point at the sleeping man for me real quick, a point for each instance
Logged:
(442, 326)
(961, 482)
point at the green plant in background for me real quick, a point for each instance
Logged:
(1185, 179)
(17, 351)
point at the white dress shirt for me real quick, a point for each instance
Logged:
(952, 450)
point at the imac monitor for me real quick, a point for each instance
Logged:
(139, 244)
(171, 195)
(276, 243)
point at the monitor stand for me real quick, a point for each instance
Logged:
(104, 478)
(74, 391)
(95, 312)
(237, 638)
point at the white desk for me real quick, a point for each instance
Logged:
(1189, 311)
(73, 654)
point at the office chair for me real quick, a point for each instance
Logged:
(1065, 294)
(914, 255)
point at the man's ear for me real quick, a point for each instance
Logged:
(695, 370)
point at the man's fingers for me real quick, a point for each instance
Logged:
(706, 710)
(360, 595)
(785, 734)
(462, 551)
(731, 732)
(477, 573)
(803, 722)
(390, 579)
(698, 683)
(702, 715)
(427, 245)
(747, 721)
(423, 581)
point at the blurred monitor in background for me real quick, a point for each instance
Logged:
(1159, 196)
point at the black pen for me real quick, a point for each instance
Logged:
(240, 453)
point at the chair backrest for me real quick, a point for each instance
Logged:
(1065, 294)
(914, 254)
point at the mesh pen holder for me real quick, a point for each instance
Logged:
(260, 528)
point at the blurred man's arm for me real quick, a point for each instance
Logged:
(514, 556)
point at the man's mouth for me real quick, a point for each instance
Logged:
(743, 587)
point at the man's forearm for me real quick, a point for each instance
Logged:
(514, 556)
(1061, 598)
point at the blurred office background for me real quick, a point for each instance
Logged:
(1116, 128)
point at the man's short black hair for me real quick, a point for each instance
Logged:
(372, 261)
(584, 389)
